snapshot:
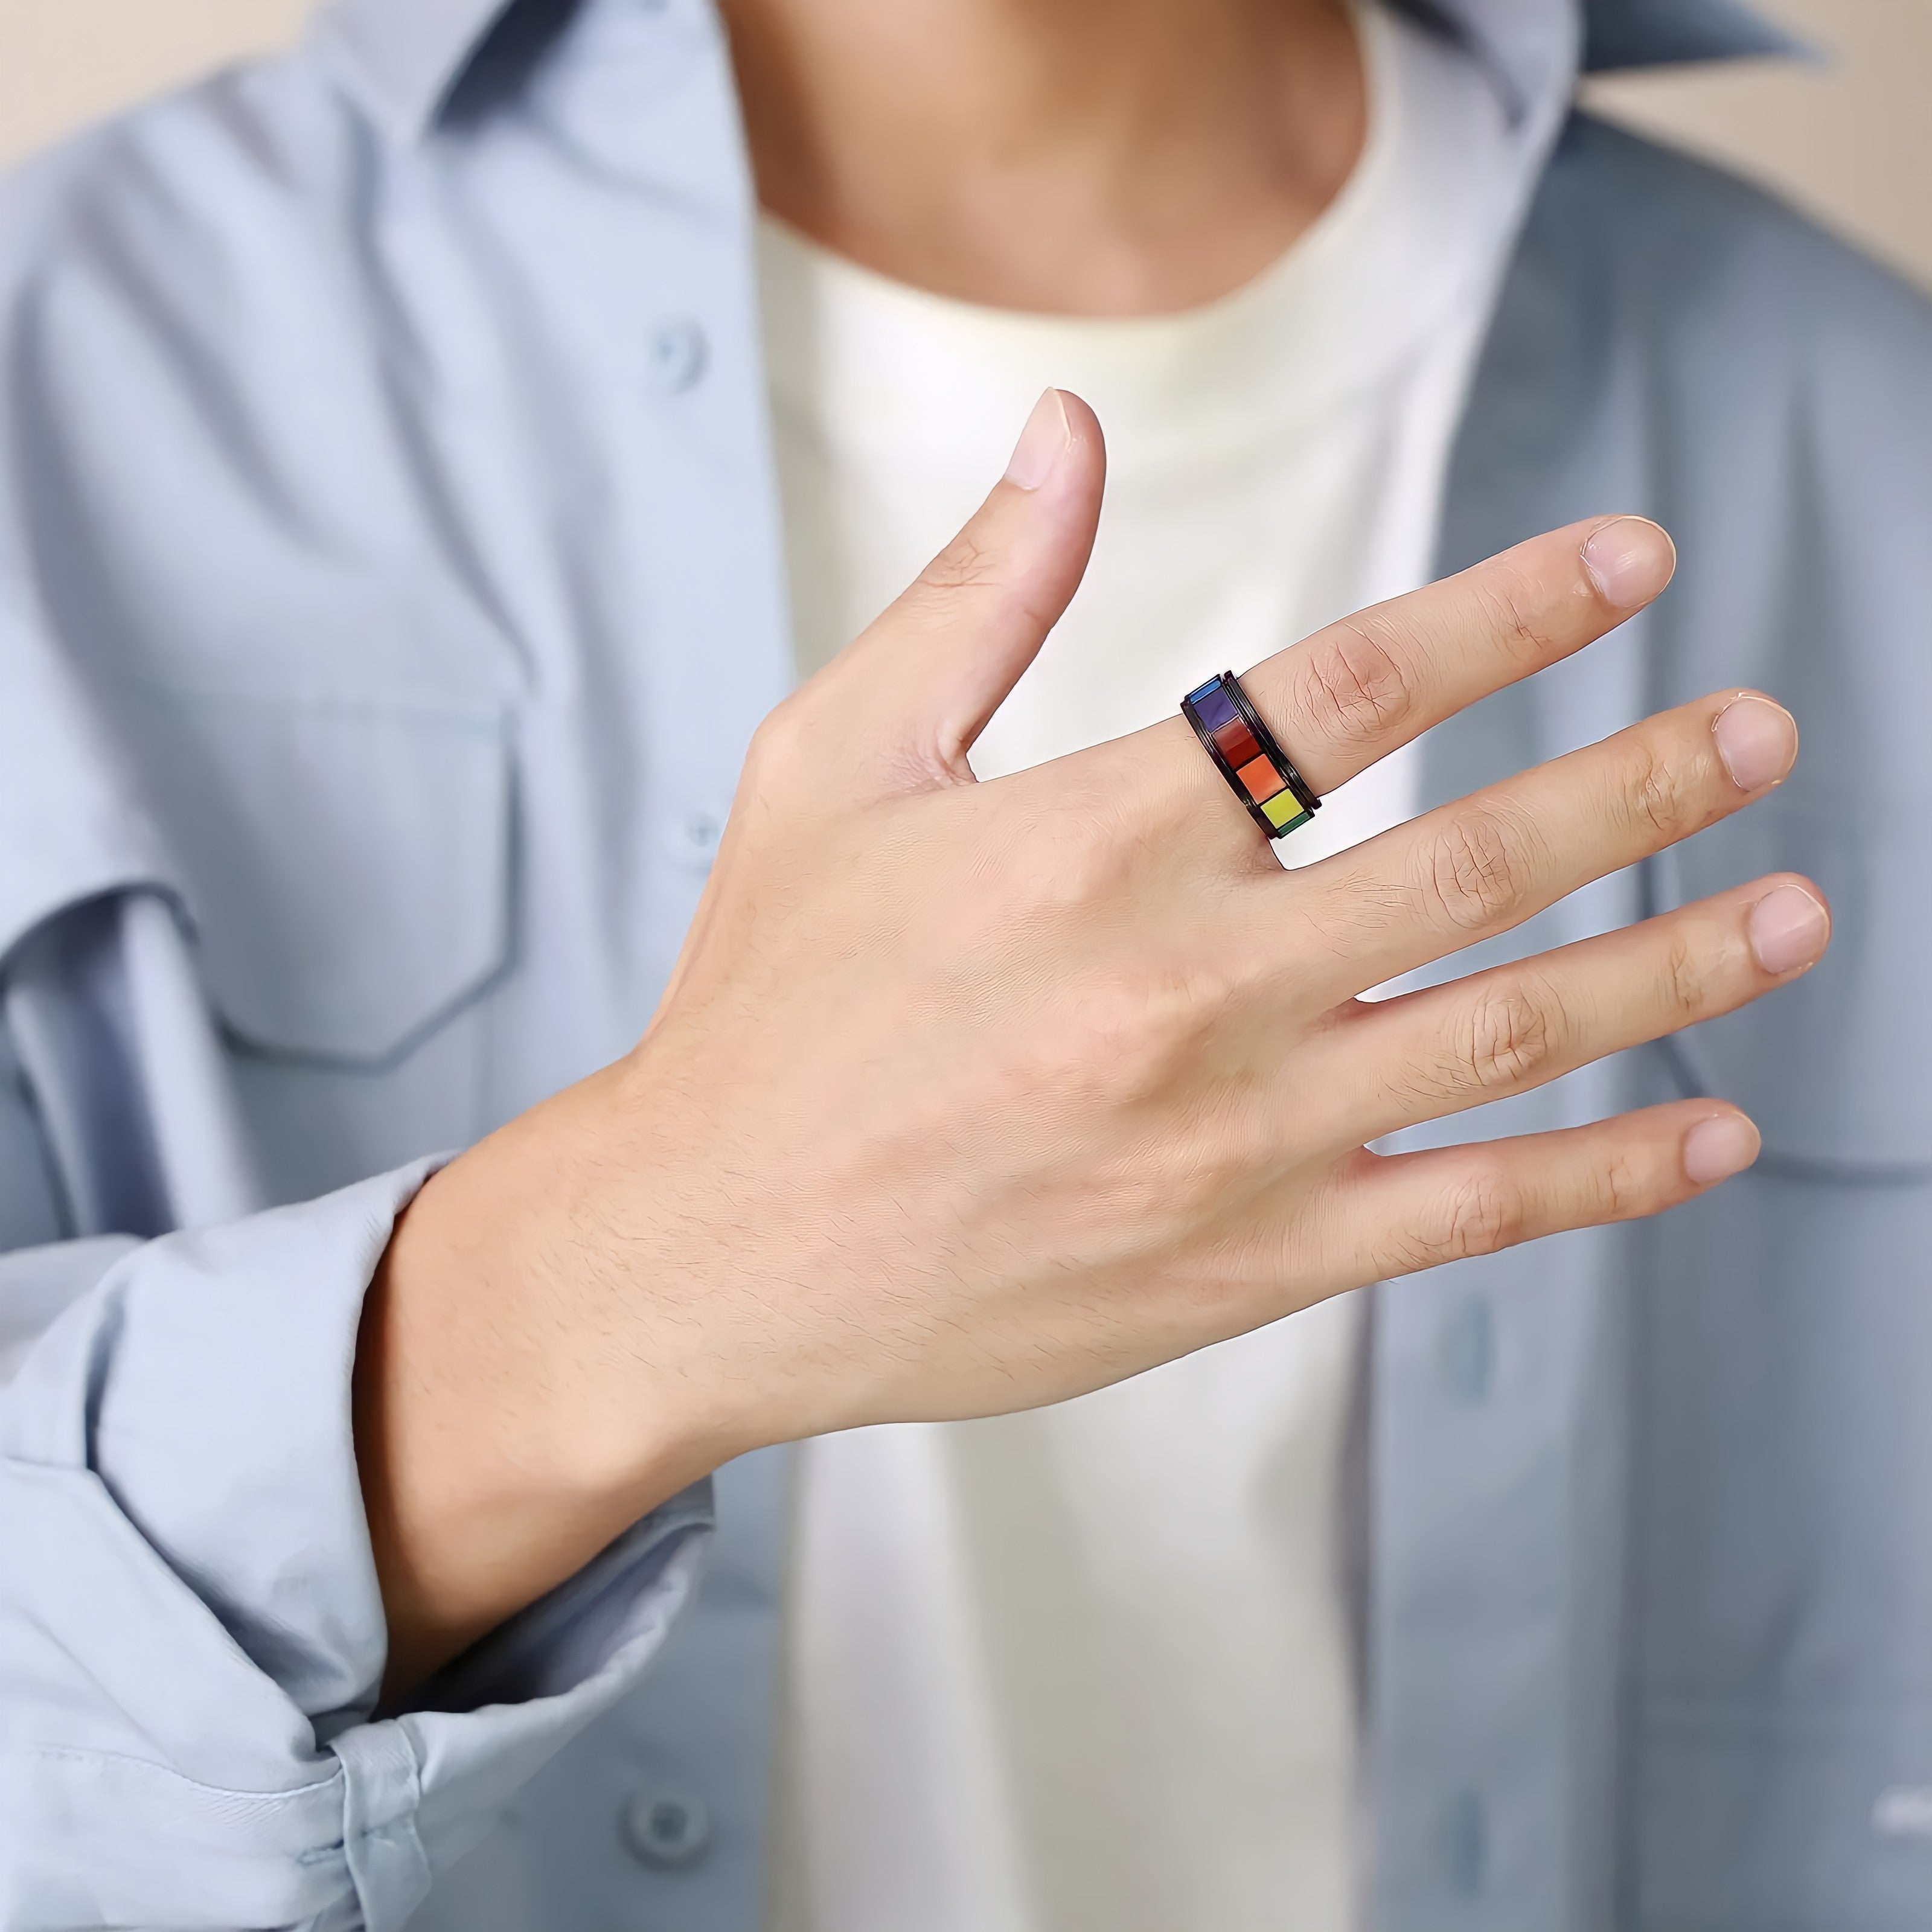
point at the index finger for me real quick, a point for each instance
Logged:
(1358, 690)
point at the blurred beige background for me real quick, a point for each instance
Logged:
(1850, 138)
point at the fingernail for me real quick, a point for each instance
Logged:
(1757, 740)
(1788, 929)
(1630, 561)
(1044, 441)
(1715, 1149)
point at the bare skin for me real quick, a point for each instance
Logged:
(1078, 156)
(968, 1097)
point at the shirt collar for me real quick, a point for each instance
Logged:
(1534, 49)
(1657, 33)
(403, 57)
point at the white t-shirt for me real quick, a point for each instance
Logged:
(1090, 1669)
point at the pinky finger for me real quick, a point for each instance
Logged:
(1450, 1203)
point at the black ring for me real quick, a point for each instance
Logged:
(1226, 722)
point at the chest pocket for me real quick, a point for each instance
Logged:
(345, 861)
(1833, 1069)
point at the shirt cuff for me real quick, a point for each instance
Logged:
(191, 1633)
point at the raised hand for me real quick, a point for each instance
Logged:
(967, 1097)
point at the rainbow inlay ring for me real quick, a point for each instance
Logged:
(1245, 754)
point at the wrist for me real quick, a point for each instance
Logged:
(512, 1416)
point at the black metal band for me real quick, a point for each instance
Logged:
(1244, 749)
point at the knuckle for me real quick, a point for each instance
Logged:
(1479, 1214)
(1685, 979)
(1478, 869)
(1655, 801)
(1132, 1037)
(1071, 863)
(1354, 688)
(1507, 1039)
(965, 564)
(1517, 621)
(1216, 1158)
(1623, 1192)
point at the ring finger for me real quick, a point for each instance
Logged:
(1482, 865)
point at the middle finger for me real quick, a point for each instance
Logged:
(1487, 863)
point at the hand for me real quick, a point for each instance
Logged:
(967, 1097)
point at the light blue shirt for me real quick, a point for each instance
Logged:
(389, 582)
(389, 586)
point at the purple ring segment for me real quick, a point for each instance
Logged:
(1257, 773)
(1213, 705)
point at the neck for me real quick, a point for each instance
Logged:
(1078, 157)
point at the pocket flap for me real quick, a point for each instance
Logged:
(346, 863)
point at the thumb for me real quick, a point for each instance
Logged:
(940, 661)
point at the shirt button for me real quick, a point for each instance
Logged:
(665, 1829)
(675, 353)
(691, 837)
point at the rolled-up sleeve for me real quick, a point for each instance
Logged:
(191, 1635)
